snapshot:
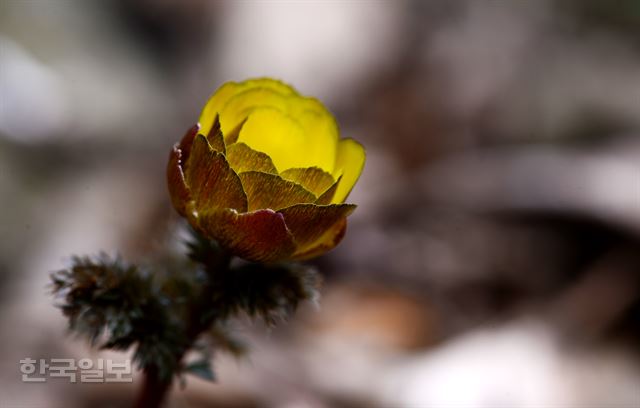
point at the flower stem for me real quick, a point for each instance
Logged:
(155, 387)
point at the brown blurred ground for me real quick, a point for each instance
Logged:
(492, 262)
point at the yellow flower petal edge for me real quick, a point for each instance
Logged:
(349, 162)
(220, 98)
(265, 173)
(291, 115)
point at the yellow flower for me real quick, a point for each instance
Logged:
(265, 172)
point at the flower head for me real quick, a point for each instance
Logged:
(265, 172)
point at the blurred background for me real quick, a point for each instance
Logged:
(494, 258)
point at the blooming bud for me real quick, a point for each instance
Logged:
(265, 173)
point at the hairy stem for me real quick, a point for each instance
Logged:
(155, 388)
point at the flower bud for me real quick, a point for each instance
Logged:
(265, 173)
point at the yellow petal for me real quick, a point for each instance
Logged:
(270, 83)
(321, 131)
(272, 132)
(238, 108)
(266, 190)
(349, 162)
(222, 95)
(215, 103)
(242, 158)
(311, 178)
(321, 140)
